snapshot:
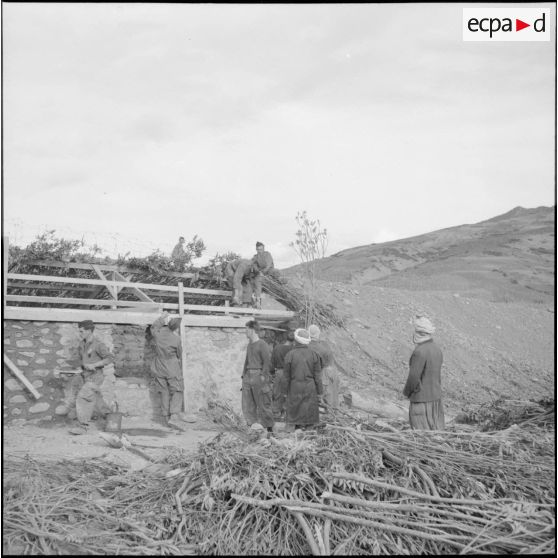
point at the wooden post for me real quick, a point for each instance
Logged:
(182, 336)
(20, 376)
(5, 263)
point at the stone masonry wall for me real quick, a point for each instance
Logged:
(215, 357)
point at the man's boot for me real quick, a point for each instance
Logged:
(175, 422)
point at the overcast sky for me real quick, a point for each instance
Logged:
(133, 124)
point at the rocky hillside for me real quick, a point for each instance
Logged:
(489, 289)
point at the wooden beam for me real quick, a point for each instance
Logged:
(182, 340)
(105, 267)
(227, 310)
(21, 377)
(123, 317)
(111, 289)
(76, 281)
(35, 287)
(5, 263)
(141, 295)
(89, 301)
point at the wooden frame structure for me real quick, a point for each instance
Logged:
(112, 310)
(125, 311)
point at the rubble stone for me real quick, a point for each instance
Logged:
(39, 408)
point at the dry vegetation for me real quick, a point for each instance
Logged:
(350, 488)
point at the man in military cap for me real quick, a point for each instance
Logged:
(94, 356)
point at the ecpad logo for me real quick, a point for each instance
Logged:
(506, 24)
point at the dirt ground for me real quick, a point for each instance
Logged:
(52, 440)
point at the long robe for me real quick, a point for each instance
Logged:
(303, 383)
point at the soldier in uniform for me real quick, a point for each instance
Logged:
(256, 380)
(94, 356)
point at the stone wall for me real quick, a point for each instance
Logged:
(215, 357)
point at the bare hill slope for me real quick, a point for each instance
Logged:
(506, 258)
(489, 289)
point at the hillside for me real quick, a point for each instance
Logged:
(504, 259)
(489, 289)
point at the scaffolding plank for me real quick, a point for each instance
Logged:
(79, 281)
(123, 317)
(226, 310)
(106, 267)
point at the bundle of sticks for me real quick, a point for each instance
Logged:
(293, 298)
(347, 488)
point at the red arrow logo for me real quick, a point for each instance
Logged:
(519, 25)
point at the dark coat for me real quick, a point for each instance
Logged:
(424, 382)
(303, 384)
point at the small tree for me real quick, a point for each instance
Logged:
(310, 246)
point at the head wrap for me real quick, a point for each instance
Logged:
(302, 336)
(314, 332)
(423, 330)
(424, 325)
(87, 324)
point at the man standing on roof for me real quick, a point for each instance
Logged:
(166, 370)
(256, 380)
(94, 356)
(238, 274)
(424, 386)
(277, 364)
(264, 266)
(330, 376)
(303, 382)
(178, 255)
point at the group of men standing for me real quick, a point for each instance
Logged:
(289, 382)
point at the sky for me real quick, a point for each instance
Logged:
(130, 125)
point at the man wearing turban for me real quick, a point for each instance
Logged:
(423, 387)
(303, 382)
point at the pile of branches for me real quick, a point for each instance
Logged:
(346, 488)
(293, 298)
(157, 268)
(502, 413)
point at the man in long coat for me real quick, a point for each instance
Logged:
(303, 382)
(330, 376)
(277, 364)
(424, 386)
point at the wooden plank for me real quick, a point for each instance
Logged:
(20, 376)
(123, 317)
(76, 281)
(105, 267)
(35, 287)
(5, 264)
(182, 339)
(133, 303)
(141, 295)
(89, 301)
(112, 290)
